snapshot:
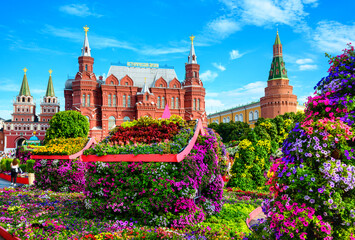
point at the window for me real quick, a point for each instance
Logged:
(217, 121)
(26, 109)
(161, 85)
(172, 103)
(241, 117)
(28, 119)
(194, 104)
(158, 102)
(15, 119)
(53, 110)
(29, 99)
(129, 101)
(49, 100)
(146, 97)
(88, 101)
(111, 122)
(21, 119)
(114, 100)
(126, 83)
(124, 100)
(174, 85)
(111, 82)
(236, 118)
(228, 120)
(35, 128)
(162, 102)
(126, 119)
(23, 99)
(109, 100)
(256, 115)
(177, 103)
(18, 109)
(88, 118)
(86, 67)
(224, 120)
(251, 116)
(44, 110)
(83, 100)
(198, 104)
(194, 74)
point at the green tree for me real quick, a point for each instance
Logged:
(67, 124)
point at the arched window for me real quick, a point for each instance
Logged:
(124, 100)
(177, 103)
(111, 82)
(83, 100)
(198, 104)
(251, 116)
(86, 67)
(88, 118)
(172, 103)
(114, 100)
(49, 100)
(194, 104)
(256, 115)
(109, 100)
(158, 102)
(236, 118)
(241, 117)
(129, 101)
(194, 74)
(161, 85)
(228, 120)
(23, 99)
(88, 101)
(29, 99)
(224, 120)
(44, 110)
(111, 122)
(162, 102)
(217, 122)
(174, 85)
(126, 119)
(146, 97)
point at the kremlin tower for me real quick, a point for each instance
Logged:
(278, 97)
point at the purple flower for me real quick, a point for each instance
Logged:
(320, 190)
(312, 201)
(301, 178)
(330, 201)
(313, 179)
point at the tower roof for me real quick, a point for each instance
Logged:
(25, 89)
(86, 51)
(192, 56)
(145, 88)
(277, 40)
(50, 88)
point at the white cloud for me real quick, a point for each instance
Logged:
(5, 114)
(208, 76)
(234, 54)
(306, 67)
(80, 10)
(313, 3)
(213, 105)
(304, 61)
(246, 94)
(332, 36)
(223, 27)
(219, 66)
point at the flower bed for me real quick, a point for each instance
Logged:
(177, 194)
(313, 183)
(30, 213)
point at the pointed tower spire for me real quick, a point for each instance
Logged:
(50, 88)
(25, 89)
(145, 88)
(86, 51)
(278, 69)
(192, 56)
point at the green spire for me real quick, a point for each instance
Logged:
(25, 89)
(50, 88)
(277, 40)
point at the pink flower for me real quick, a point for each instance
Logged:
(327, 109)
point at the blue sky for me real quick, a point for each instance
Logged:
(233, 42)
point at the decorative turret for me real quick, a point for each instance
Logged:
(50, 104)
(278, 97)
(25, 89)
(192, 56)
(86, 51)
(278, 69)
(50, 89)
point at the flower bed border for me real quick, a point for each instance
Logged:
(73, 156)
(21, 180)
(148, 157)
(6, 235)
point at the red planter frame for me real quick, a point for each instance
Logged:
(20, 180)
(73, 156)
(6, 235)
(148, 157)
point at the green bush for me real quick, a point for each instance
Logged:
(23, 167)
(67, 124)
(6, 164)
(29, 166)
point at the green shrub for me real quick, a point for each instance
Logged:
(23, 167)
(7, 164)
(29, 166)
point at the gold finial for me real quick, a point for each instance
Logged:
(145, 80)
(86, 29)
(25, 70)
(34, 133)
(50, 72)
(192, 39)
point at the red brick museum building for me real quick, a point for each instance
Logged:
(132, 91)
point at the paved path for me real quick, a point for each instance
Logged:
(4, 183)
